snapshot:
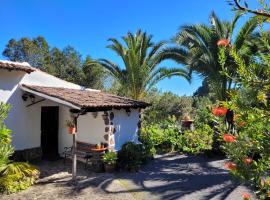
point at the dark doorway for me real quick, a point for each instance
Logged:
(49, 132)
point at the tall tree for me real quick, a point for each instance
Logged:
(94, 76)
(66, 64)
(198, 49)
(141, 58)
(34, 51)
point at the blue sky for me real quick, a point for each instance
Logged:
(87, 24)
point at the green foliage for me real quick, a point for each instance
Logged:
(197, 141)
(203, 113)
(5, 134)
(161, 137)
(12, 184)
(164, 105)
(197, 49)
(110, 157)
(166, 137)
(250, 150)
(141, 70)
(35, 51)
(6, 151)
(66, 64)
(131, 156)
(14, 176)
(94, 76)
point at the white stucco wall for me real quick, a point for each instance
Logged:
(90, 129)
(127, 129)
(25, 121)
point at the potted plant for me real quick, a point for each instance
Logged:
(109, 160)
(71, 127)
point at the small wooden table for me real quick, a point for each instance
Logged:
(99, 149)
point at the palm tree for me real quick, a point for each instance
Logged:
(141, 70)
(197, 48)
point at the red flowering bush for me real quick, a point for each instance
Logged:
(219, 111)
(246, 196)
(248, 148)
(247, 141)
(229, 138)
(230, 166)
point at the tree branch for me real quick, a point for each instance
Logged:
(243, 8)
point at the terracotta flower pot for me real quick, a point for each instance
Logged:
(109, 167)
(71, 130)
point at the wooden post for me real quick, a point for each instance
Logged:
(74, 160)
(74, 154)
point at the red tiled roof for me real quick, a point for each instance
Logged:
(9, 65)
(87, 98)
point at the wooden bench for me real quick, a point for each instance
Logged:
(83, 150)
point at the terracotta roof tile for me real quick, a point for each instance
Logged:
(88, 98)
(19, 66)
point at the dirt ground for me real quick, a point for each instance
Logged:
(168, 177)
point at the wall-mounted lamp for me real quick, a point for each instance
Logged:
(31, 96)
(24, 97)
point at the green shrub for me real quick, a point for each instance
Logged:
(14, 176)
(161, 137)
(14, 183)
(131, 156)
(197, 141)
(110, 157)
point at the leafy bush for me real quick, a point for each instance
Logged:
(110, 157)
(13, 183)
(161, 137)
(14, 176)
(131, 156)
(246, 144)
(197, 141)
(166, 104)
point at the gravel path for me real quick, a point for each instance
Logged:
(168, 177)
(182, 177)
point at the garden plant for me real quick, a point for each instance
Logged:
(14, 176)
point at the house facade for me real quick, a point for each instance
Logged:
(41, 104)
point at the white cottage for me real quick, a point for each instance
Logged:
(41, 105)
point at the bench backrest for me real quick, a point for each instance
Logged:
(85, 147)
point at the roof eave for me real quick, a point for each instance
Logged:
(57, 100)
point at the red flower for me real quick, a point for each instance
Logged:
(248, 160)
(229, 138)
(246, 196)
(223, 42)
(219, 111)
(230, 165)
